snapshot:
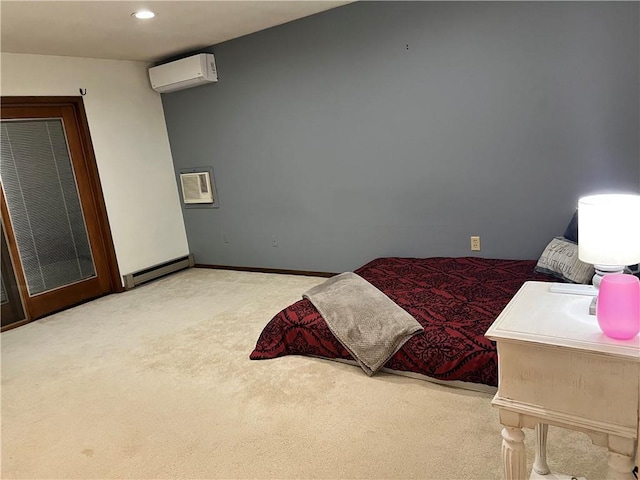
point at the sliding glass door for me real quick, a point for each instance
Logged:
(52, 221)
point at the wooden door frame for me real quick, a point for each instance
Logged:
(77, 104)
(15, 305)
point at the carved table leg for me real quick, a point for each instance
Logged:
(540, 462)
(513, 454)
(620, 467)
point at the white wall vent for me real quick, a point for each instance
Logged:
(184, 73)
(196, 187)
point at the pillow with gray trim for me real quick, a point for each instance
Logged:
(560, 259)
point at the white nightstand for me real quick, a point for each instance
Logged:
(556, 367)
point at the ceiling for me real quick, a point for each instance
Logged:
(106, 29)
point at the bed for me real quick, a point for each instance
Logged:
(455, 300)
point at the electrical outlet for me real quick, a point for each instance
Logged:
(274, 241)
(475, 243)
(225, 238)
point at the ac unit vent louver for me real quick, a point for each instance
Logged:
(196, 187)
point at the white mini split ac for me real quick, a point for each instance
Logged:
(196, 187)
(184, 73)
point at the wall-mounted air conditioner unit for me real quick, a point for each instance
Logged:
(196, 187)
(184, 73)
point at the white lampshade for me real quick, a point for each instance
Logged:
(609, 229)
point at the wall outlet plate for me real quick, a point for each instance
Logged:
(475, 243)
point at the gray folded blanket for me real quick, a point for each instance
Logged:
(365, 321)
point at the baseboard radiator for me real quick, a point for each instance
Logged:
(134, 279)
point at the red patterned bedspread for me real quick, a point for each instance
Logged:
(455, 300)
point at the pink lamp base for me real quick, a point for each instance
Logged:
(618, 306)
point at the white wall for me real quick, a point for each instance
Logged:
(131, 145)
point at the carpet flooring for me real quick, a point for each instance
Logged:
(156, 383)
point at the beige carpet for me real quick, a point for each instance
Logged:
(157, 383)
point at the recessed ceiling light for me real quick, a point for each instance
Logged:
(143, 14)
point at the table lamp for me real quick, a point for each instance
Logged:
(609, 238)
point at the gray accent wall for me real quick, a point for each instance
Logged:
(403, 128)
